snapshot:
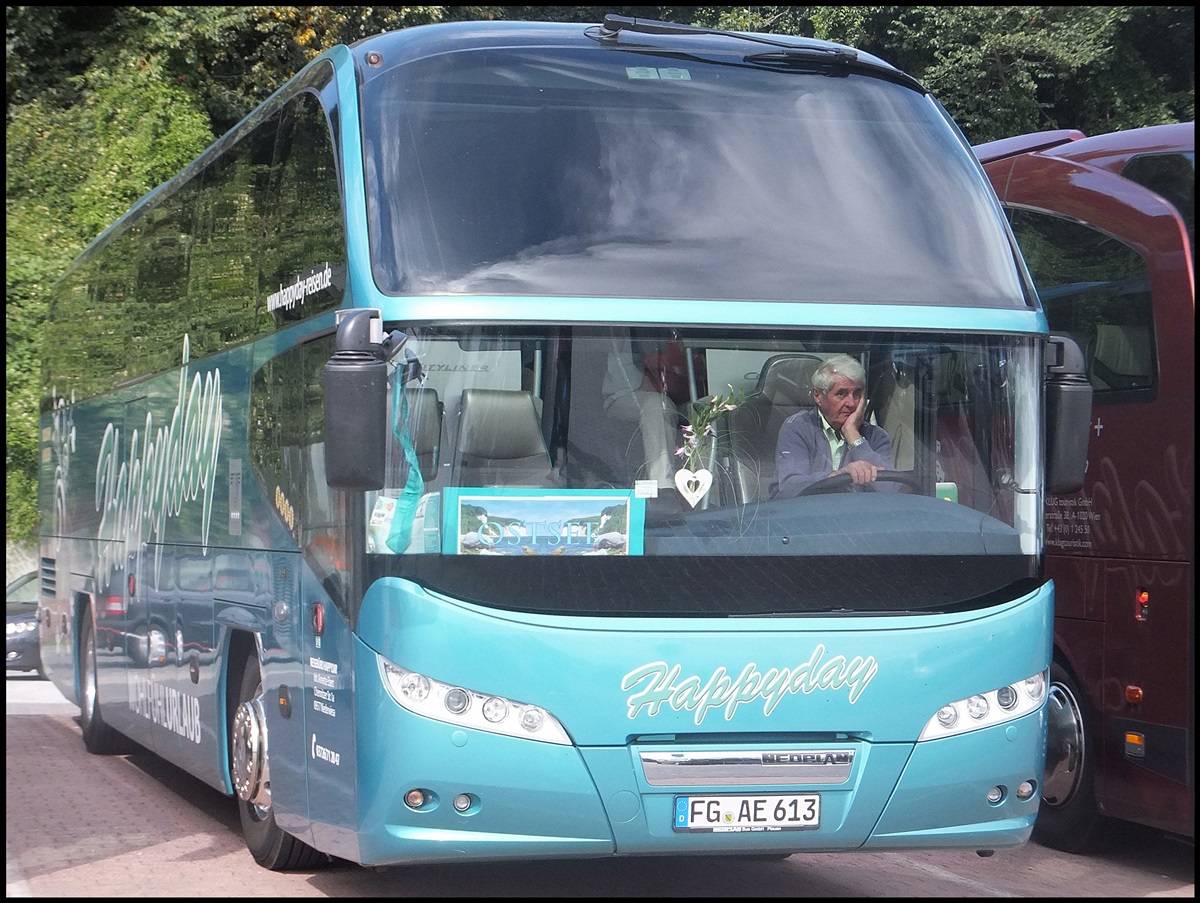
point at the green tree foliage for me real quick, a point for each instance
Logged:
(105, 103)
(1010, 69)
(1006, 70)
(78, 155)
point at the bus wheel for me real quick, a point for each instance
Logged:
(99, 738)
(1069, 818)
(250, 771)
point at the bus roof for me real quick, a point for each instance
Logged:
(768, 50)
(1110, 151)
(990, 151)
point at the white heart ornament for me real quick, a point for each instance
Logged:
(693, 486)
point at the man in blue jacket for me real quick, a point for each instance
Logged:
(832, 438)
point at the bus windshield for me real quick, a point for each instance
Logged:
(563, 447)
(607, 172)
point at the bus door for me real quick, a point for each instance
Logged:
(276, 583)
(1113, 265)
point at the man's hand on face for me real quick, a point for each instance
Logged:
(852, 429)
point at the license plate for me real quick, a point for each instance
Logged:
(765, 812)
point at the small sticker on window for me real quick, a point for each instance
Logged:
(651, 72)
(645, 489)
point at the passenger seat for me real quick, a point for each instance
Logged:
(500, 441)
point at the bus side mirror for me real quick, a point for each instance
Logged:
(1068, 402)
(356, 404)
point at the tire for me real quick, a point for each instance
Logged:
(249, 766)
(1068, 819)
(99, 738)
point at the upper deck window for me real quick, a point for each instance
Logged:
(610, 173)
(1173, 176)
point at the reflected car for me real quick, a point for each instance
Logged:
(22, 651)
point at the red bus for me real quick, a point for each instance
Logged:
(1107, 227)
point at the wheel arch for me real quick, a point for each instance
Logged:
(1084, 670)
(1069, 817)
(82, 605)
(240, 645)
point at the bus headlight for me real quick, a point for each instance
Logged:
(457, 705)
(987, 709)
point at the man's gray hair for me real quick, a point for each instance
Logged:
(842, 365)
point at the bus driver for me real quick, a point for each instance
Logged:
(831, 438)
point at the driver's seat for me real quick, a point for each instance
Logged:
(784, 387)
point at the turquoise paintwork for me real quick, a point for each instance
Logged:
(539, 799)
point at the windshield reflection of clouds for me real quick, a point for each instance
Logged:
(840, 221)
(570, 179)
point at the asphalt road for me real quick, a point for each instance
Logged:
(78, 825)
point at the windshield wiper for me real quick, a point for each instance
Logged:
(834, 60)
(805, 56)
(614, 25)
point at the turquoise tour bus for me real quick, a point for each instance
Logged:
(413, 477)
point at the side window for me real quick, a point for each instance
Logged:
(1172, 177)
(87, 356)
(287, 449)
(303, 268)
(252, 242)
(159, 307)
(270, 238)
(227, 306)
(1096, 290)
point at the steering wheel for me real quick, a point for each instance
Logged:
(843, 482)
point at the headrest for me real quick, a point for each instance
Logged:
(1124, 350)
(499, 424)
(423, 419)
(786, 379)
